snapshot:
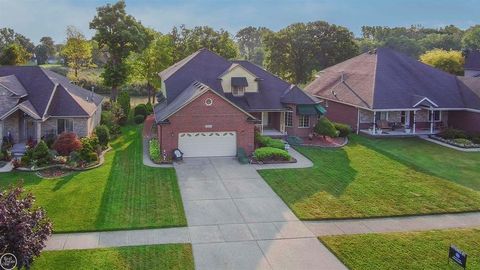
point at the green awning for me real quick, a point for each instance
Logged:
(313, 109)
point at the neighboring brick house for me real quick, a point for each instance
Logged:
(472, 63)
(383, 92)
(212, 106)
(35, 102)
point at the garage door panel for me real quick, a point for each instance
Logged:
(208, 144)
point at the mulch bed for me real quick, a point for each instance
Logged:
(254, 161)
(325, 142)
(52, 173)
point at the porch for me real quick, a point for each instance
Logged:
(425, 121)
(272, 123)
(20, 127)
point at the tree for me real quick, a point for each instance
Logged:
(77, 51)
(121, 34)
(471, 38)
(187, 41)
(448, 61)
(325, 128)
(24, 229)
(441, 41)
(145, 66)
(44, 50)
(250, 43)
(296, 51)
(14, 54)
(404, 45)
(124, 102)
(9, 37)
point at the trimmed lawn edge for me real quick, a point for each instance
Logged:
(122, 229)
(334, 253)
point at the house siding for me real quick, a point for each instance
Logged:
(468, 121)
(342, 113)
(239, 71)
(81, 126)
(295, 130)
(197, 117)
(11, 124)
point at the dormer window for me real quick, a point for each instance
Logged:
(238, 91)
(238, 86)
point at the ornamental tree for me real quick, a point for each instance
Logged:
(24, 228)
(66, 143)
(448, 61)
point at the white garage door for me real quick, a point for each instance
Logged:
(208, 144)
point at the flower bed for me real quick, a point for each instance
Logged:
(458, 142)
(271, 155)
(53, 172)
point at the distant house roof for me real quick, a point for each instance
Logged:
(385, 79)
(208, 68)
(472, 60)
(45, 93)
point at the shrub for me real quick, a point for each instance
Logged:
(119, 116)
(139, 119)
(41, 154)
(325, 128)
(154, 150)
(66, 143)
(343, 129)
(270, 153)
(28, 157)
(103, 134)
(106, 105)
(451, 133)
(462, 141)
(124, 102)
(475, 139)
(149, 107)
(140, 109)
(107, 118)
(264, 141)
(50, 139)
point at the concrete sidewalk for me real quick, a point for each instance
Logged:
(394, 224)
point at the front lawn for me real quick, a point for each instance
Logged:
(162, 257)
(358, 181)
(413, 250)
(121, 194)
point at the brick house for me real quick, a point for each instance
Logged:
(211, 106)
(35, 102)
(383, 92)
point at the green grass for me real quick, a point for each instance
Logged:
(459, 167)
(359, 181)
(121, 194)
(413, 250)
(175, 256)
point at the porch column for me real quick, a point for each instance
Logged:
(38, 131)
(282, 122)
(374, 120)
(414, 121)
(431, 120)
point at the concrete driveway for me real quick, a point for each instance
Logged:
(236, 221)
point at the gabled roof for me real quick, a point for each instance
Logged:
(164, 110)
(294, 95)
(207, 67)
(48, 93)
(472, 60)
(385, 79)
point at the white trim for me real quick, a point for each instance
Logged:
(232, 67)
(427, 99)
(18, 107)
(358, 120)
(285, 113)
(50, 100)
(341, 102)
(300, 117)
(73, 125)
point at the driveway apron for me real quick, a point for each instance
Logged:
(236, 221)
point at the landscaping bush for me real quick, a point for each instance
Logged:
(27, 158)
(154, 150)
(119, 116)
(50, 139)
(103, 134)
(264, 141)
(42, 154)
(140, 109)
(108, 119)
(88, 152)
(343, 129)
(106, 105)
(139, 119)
(325, 128)
(270, 153)
(463, 141)
(66, 143)
(475, 139)
(124, 102)
(451, 133)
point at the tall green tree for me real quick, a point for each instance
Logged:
(8, 37)
(404, 44)
(448, 61)
(121, 34)
(471, 38)
(44, 50)
(77, 52)
(250, 43)
(441, 41)
(296, 51)
(146, 64)
(14, 54)
(187, 41)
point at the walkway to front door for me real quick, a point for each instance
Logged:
(237, 222)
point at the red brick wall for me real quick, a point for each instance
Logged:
(222, 116)
(468, 121)
(295, 130)
(346, 114)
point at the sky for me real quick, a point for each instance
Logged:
(37, 18)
